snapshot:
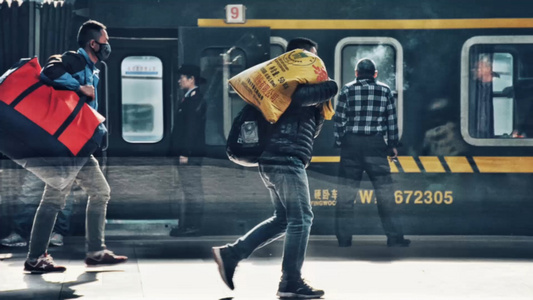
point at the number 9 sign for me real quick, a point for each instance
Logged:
(235, 13)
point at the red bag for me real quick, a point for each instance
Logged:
(49, 132)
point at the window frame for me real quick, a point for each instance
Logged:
(277, 40)
(465, 81)
(399, 67)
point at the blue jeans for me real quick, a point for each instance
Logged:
(289, 192)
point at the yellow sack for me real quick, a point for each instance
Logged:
(269, 86)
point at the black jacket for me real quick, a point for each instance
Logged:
(189, 137)
(295, 131)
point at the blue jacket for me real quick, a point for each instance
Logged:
(71, 70)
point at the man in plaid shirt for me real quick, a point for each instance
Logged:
(365, 113)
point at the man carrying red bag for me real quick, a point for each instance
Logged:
(76, 71)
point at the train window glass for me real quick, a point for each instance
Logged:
(142, 99)
(496, 90)
(223, 104)
(383, 55)
(386, 52)
(277, 46)
(491, 108)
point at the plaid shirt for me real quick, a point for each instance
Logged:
(366, 107)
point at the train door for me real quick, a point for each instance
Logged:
(142, 97)
(139, 95)
(221, 53)
(137, 86)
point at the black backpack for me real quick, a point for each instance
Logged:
(248, 137)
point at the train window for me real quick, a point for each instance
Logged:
(142, 99)
(223, 104)
(277, 46)
(386, 52)
(496, 89)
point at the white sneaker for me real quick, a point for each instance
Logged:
(14, 240)
(56, 239)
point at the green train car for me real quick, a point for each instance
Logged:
(460, 171)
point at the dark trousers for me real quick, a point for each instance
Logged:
(192, 206)
(365, 154)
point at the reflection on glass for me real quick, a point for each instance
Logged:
(137, 118)
(383, 55)
(212, 66)
(276, 50)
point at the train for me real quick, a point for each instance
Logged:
(461, 170)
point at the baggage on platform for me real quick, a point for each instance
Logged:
(49, 132)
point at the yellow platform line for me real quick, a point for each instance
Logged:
(375, 24)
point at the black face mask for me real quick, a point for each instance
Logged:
(104, 52)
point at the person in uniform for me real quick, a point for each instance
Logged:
(189, 140)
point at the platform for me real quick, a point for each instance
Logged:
(449, 267)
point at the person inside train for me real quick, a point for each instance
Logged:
(76, 71)
(189, 139)
(364, 115)
(282, 169)
(481, 95)
(523, 110)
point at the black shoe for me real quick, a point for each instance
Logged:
(189, 231)
(227, 264)
(104, 258)
(298, 289)
(344, 240)
(398, 242)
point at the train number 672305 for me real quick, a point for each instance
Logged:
(423, 197)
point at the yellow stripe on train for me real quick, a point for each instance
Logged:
(498, 164)
(456, 164)
(321, 24)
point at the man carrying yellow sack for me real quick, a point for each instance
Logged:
(270, 86)
(282, 168)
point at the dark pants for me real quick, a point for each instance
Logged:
(289, 192)
(192, 206)
(365, 154)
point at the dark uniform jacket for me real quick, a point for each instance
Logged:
(190, 125)
(295, 131)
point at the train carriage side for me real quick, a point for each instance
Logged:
(463, 90)
(450, 179)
